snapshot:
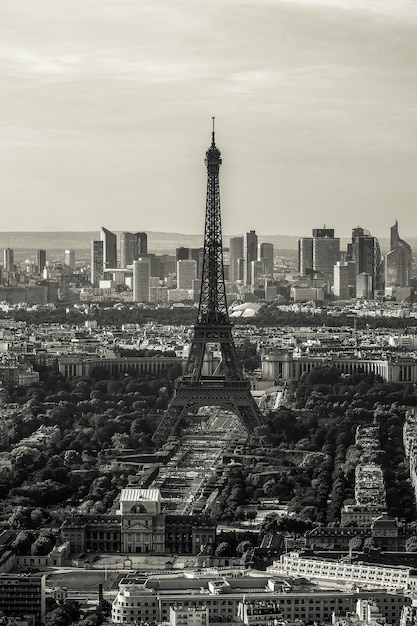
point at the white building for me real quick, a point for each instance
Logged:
(141, 280)
(186, 273)
(293, 564)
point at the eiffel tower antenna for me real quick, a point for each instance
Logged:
(225, 387)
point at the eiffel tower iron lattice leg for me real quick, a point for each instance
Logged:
(226, 388)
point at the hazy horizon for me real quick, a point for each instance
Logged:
(106, 114)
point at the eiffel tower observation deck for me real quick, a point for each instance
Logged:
(226, 387)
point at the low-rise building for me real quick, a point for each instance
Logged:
(250, 597)
(293, 564)
(140, 527)
(385, 531)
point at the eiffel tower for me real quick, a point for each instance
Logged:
(226, 387)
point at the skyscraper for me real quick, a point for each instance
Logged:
(186, 273)
(365, 252)
(341, 281)
(364, 288)
(197, 256)
(70, 258)
(40, 260)
(250, 253)
(96, 261)
(182, 254)
(257, 274)
(319, 253)
(141, 280)
(326, 252)
(398, 261)
(141, 244)
(109, 240)
(190, 254)
(132, 246)
(8, 259)
(235, 255)
(266, 255)
(305, 255)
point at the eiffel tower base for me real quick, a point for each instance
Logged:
(234, 396)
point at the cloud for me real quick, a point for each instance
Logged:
(108, 104)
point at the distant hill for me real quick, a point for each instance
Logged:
(158, 242)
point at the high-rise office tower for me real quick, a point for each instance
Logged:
(319, 253)
(182, 254)
(156, 266)
(326, 252)
(141, 280)
(257, 274)
(365, 252)
(190, 254)
(40, 260)
(235, 253)
(305, 255)
(186, 273)
(109, 240)
(398, 261)
(8, 259)
(266, 255)
(141, 244)
(250, 253)
(127, 245)
(364, 285)
(96, 261)
(341, 281)
(196, 254)
(70, 258)
(132, 246)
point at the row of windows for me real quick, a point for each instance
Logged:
(94, 534)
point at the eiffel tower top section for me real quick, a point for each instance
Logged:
(213, 306)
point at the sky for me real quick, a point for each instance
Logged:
(106, 106)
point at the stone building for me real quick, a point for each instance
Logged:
(140, 527)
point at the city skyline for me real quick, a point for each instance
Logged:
(106, 109)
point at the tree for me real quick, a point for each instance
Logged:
(223, 549)
(244, 546)
(63, 615)
(43, 545)
(22, 542)
(411, 544)
(356, 544)
(20, 518)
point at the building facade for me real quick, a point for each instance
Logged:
(8, 259)
(235, 259)
(319, 254)
(186, 273)
(234, 597)
(96, 262)
(365, 252)
(284, 365)
(326, 252)
(70, 258)
(266, 256)
(398, 261)
(132, 247)
(141, 280)
(21, 594)
(140, 527)
(250, 253)
(109, 240)
(40, 260)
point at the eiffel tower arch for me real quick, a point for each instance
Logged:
(226, 386)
